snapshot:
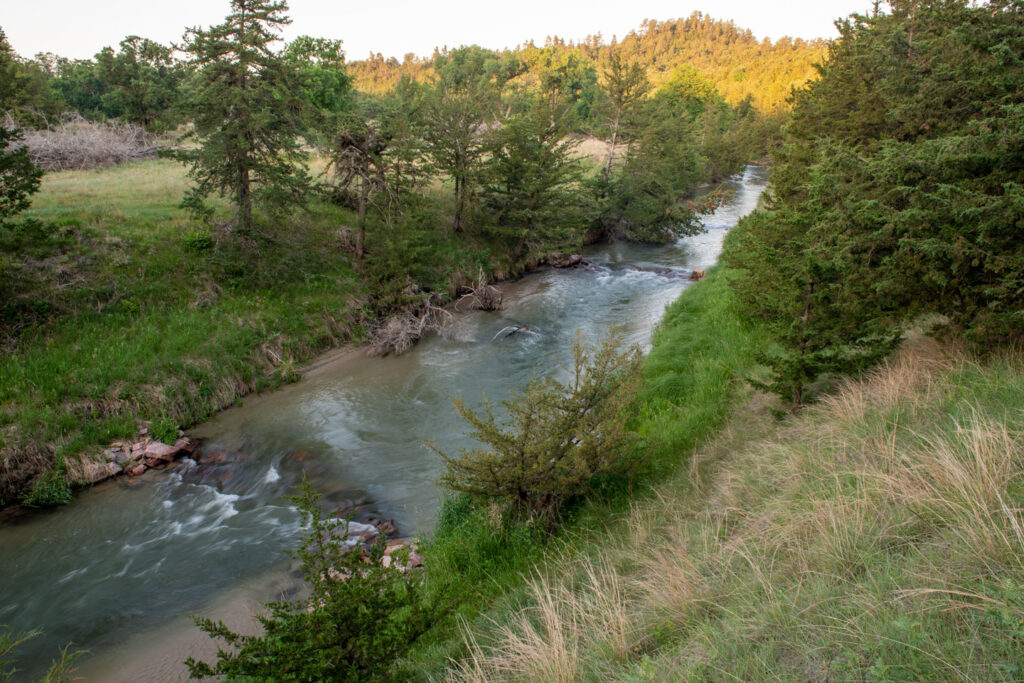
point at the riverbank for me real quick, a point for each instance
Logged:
(137, 314)
(691, 389)
(874, 536)
(126, 553)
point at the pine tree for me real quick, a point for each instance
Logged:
(247, 114)
(532, 179)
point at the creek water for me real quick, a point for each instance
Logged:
(119, 570)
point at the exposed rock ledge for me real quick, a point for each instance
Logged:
(132, 457)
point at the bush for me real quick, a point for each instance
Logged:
(49, 490)
(360, 617)
(19, 177)
(558, 438)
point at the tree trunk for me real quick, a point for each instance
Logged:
(364, 196)
(611, 145)
(460, 190)
(244, 201)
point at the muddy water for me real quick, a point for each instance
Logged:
(118, 571)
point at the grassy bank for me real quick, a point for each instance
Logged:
(876, 536)
(126, 309)
(478, 563)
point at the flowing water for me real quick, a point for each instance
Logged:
(129, 560)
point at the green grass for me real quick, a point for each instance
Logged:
(877, 536)
(480, 563)
(122, 308)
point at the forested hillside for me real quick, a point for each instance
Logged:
(708, 52)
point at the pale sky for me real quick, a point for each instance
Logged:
(78, 28)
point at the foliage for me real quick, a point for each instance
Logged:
(648, 198)
(558, 437)
(60, 671)
(532, 180)
(323, 82)
(731, 59)
(626, 85)
(359, 617)
(898, 192)
(455, 113)
(375, 157)
(49, 490)
(19, 177)
(247, 113)
(141, 83)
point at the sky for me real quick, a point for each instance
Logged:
(79, 29)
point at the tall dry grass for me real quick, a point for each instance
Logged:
(878, 535)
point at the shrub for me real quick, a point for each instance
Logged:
(49, 490)
(558, 438)
(359, 618)
(19, 177)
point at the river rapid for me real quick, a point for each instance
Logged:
(120, 570)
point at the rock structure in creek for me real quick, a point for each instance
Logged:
(133, 457)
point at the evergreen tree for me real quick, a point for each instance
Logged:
(899, 191)
(533, 181)
(247, 111)
(650, 198)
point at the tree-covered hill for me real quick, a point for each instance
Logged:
(730, 59)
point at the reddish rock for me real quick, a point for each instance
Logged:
(161, 451)
(697, 275)
(564, 261)
(387, 527)
(394, 546)
(137, 470)
(94, 472)
(302, 456)
(185, 444)
(214, 458)
(415, 560)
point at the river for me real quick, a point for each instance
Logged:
(118, 572)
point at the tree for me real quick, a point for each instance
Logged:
(141, 82)
(532, 180)
(8, 73)
(558, 436)
(456, 113)
(898, 192)
(247, 114)
(626, 86)
(359, 617)
(324, 84)
(19, 177)
(360, 163)
(650, 198)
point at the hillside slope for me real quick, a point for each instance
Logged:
(729, 58)
(876, 536)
